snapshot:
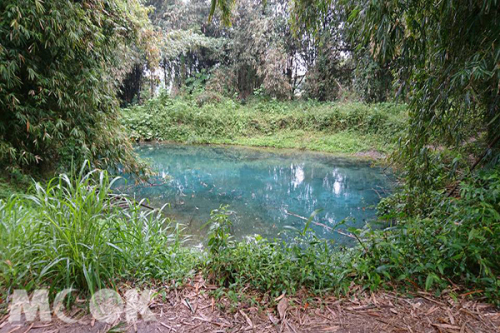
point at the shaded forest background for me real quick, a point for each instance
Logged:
(261, 53)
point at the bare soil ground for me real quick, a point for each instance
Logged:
(193, 309)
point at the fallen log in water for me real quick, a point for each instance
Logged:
(320, 224)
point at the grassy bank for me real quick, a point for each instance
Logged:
(345, 128)
(74, 232)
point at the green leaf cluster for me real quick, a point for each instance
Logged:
(60, 62)
(200, 119)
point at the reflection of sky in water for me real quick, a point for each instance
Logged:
(264, 188)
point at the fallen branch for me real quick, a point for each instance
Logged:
(320, 225)
(169, 327)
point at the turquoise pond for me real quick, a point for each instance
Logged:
(266, 190)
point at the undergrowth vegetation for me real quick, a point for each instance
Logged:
(274, 266)
(455, 243)
(8, 188)
(74, 232)
(336, 127)
(455, 246)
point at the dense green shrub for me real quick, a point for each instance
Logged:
(184, 119)
(74, 232)
(454, 240)
(60, 65)
(273, 266)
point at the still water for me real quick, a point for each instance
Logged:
(266, 190)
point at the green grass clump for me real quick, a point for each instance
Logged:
(72, 233)
(332, 127)
(7, 189)
(273, 266)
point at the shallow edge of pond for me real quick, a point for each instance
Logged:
(371, 155)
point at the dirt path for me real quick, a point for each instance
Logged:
(192, 309)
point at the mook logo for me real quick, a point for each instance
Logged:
(106, 305)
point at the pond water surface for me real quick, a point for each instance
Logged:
(266, 190)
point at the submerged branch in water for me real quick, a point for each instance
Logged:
(321, 225)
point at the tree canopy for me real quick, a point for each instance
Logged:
(60, 63)
(261, 51)
(448, 57)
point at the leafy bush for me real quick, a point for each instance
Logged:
(74, 232)
(273, 266)
(186, 119)
(456, 241)
(457, 244)
(58, 98)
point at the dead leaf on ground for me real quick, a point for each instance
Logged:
(282, 306)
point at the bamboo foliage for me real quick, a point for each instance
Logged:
(60, 62)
